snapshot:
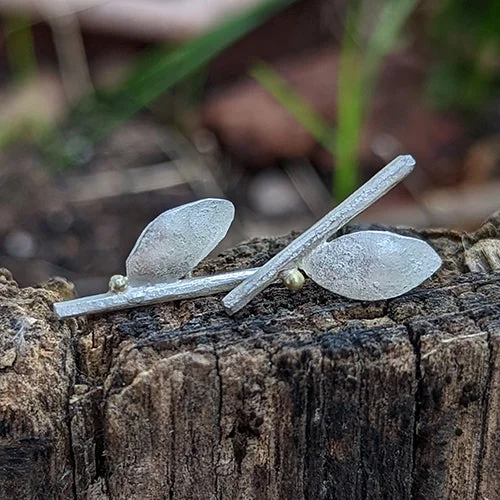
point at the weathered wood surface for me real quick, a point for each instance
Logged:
(299, 396)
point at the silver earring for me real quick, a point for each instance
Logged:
(165, 252)
(367, 265)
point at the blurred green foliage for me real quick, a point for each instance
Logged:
(23, 129)
(464, 37)
(360, 61)
(22, 125)
(465, 40)
(19, 46)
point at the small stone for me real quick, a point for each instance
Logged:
(293, 279)
(118, 283)
(7, 358)
(80, 389)
(61, 286)
(484, 256)
(6, 277)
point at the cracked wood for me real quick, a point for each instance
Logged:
(298, 396)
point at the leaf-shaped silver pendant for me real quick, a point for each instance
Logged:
(177, 240)
(371, 265)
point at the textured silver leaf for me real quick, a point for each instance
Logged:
(371, 265)
(177, 240)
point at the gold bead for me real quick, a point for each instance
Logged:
(293, 279)
(118, 283)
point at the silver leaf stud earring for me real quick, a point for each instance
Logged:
(367, 265)
(165, 252)
(371, 265)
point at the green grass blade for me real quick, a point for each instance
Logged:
(356, 81)
(19, 46)
(392, 18)
(349, 124)
(312, 121)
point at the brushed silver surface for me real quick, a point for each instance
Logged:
(152, 294)
(177, 240)
(371, 265)
(391, 175)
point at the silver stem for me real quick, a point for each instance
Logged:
(152, 294)
(391, 175)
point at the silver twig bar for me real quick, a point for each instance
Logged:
(391, 175)
(152, 294)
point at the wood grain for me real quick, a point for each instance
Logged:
(299, 396)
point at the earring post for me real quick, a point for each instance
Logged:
(134, 296)
(382, 182)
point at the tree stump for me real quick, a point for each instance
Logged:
(301, 395)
